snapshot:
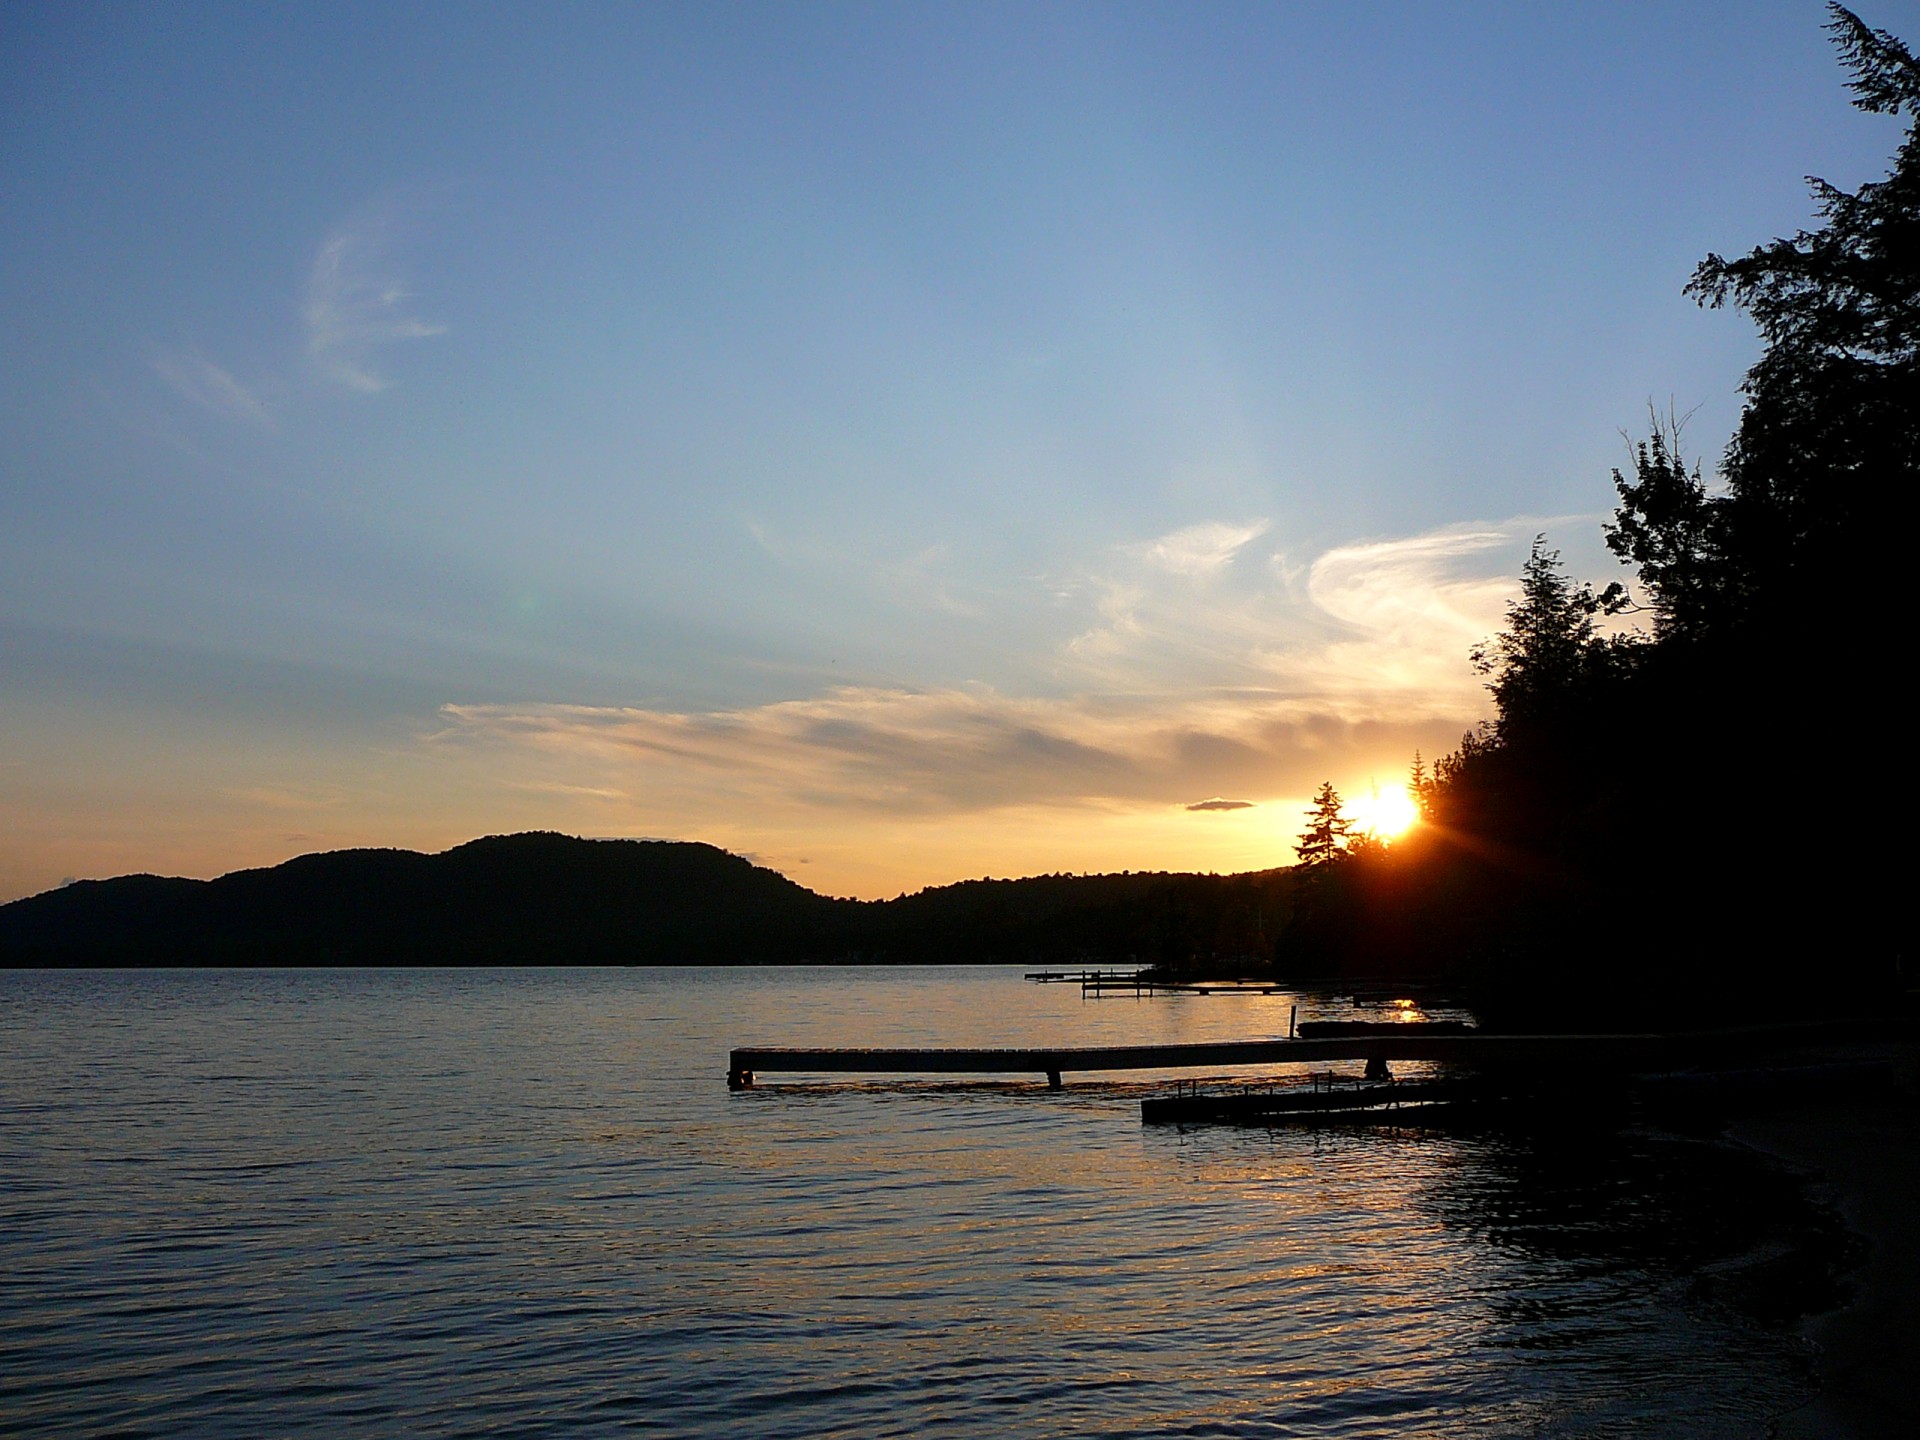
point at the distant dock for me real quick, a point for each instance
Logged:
(1596, 1054)
(1145, 982)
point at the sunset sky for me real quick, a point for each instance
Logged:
(898, 443)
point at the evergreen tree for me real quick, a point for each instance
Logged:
(1827, 454)
(1551, 649)
(1775, 602)
(1326, 837)
(1774, 610)
(1420, 786)
(1665, 528)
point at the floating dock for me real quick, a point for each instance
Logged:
(1540, 1053)
(1328, 1097)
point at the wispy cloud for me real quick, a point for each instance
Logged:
(1429, 590)
(1407, 612)
(357, 303)
(924, 580)
(1165, 606)
(195, 378)
(1198, 550)
(286, 797)
(584, 792)
(1258, 689)
(1373, 629)
(949, 751)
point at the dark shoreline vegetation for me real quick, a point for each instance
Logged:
(1664, 814)
(1670, 816)
(545, 899)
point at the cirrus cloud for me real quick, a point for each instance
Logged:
(193, 377)
(357, 303)
(1260, 684)
(942, 751)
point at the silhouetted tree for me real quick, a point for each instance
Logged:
(1823, 463)
(1773, 652)
(1774, 595)
(1325, 838)
(1551, 649)
(1367, 846)
(1420, 786)
(1666, 528)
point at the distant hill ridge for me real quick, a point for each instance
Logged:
(549, 899)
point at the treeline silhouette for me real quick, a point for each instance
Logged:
(1702, 812)
(544, 899)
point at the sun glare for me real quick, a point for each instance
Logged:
(1384, 813)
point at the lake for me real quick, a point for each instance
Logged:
(447, 1203)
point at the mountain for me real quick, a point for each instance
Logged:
(545, 899)
(506, 900)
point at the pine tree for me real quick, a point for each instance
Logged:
(1325, 838)
(1551, 649)
(1826, 460)
(1421, 787)
(1669, 530)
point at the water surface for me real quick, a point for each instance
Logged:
(524, 1203)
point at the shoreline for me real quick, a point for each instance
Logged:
(1864, 1163)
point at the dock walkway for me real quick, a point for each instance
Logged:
(1101, 983)
(1625, 1053)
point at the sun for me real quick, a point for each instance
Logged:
(1384, 814)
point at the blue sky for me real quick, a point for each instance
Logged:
(897, 442)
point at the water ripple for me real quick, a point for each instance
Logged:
(521, 1203)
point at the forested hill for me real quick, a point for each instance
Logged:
(544, 899)
(515, 899)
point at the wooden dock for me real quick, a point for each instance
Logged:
(1592, 1053)
(1326, 1097)
(1141, 982)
